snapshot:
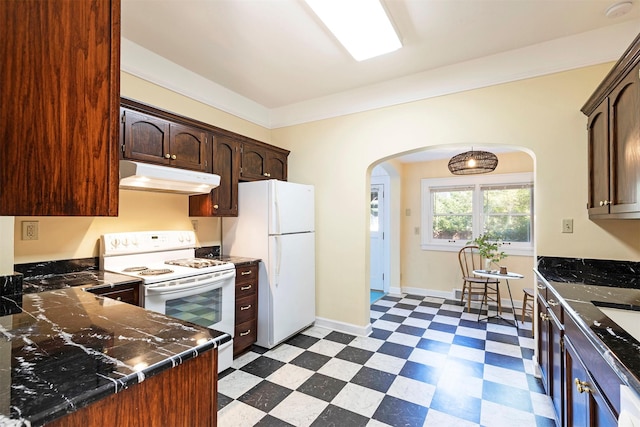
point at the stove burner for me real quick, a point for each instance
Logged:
(195, 262)
(155, 271)
(134, 269)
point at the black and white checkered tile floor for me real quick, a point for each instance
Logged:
(427, 363)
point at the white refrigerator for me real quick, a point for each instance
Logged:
(275, 223)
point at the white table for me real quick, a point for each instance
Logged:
(494, 274)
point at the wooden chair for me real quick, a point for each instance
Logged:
(470, 260)
(527, 305)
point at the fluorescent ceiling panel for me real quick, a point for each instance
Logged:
(362, 26)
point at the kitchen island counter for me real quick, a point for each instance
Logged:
(65, 349)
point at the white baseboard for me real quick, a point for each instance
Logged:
(346, 328)
(428, 292)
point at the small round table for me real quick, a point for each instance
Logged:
(494, 274)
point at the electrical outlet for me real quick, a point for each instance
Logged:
(194, 223)
(29, 230)
(567, 226)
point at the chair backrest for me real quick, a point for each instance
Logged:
(470, 260)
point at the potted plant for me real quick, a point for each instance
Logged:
(489, 249)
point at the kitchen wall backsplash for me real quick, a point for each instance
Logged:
(619, 274)
(208, 252)
(44, 268)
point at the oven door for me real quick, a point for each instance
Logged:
(206, 299)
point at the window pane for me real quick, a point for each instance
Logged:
(452, 214)
(373, 221)
(507, 213)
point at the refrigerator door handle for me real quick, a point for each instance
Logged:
(279, 258)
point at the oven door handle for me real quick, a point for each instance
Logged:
(212, 283)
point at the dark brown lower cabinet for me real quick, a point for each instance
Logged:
(550, 338)
(585, 404)
(184, 396)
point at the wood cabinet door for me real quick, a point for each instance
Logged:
(556, 375)
(226, 163)
(584, 404)
(188, 148)
(624, 119)
(254, 162)
(222, 200)
(145, 138)
(277, 165)
(598, 180)
(60, 83)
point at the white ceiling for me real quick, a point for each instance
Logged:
(272, 61)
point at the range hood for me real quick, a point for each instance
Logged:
(147, 177)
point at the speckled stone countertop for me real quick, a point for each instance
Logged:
(84, 279)
(64, 349)
(618, 348)
(238, 261)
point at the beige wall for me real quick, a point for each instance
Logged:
(436, 270)
(541, 115)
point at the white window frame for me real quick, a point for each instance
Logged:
(478, 181)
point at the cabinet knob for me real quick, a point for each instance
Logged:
(542, 287)
(582, 386)
(544, 317)
(119, 298)
(215, 206)
(173, 157)
(168, 156)
(266, 174)
(552, 302)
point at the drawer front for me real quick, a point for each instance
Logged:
(247, 273)
(245, 334)
(246, 289)
(128, 295)
(246, 308)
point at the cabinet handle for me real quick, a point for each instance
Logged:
(552, 302)
(244, 273)
(582, 386)
(168, 156)
(242, 334)
(543, 287)
(173, 157)
(245, 288)
(246, 307)
(544, 316)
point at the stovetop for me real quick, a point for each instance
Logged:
(156, 256)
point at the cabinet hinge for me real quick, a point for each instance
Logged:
(123, 119)
(562, 345)
(122, 148)
(206, 163)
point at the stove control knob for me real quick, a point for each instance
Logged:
(125, 242)
(180, 238)
(188, 237)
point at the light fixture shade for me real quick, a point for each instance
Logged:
(473, 162)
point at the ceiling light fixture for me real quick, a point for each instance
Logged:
(618, 9)
(362, 26)
(473, 162)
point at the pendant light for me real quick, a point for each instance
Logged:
(473, 162)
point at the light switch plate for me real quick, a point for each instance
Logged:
(567, 225)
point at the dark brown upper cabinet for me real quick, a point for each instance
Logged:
(223, 200)
(613, 129)
(263, 162)
(60, 83)
(153, 140)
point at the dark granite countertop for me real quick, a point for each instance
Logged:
(618, 348)
(84, 279)
(66, 348)
(238, 261)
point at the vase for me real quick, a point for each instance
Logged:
(487, 265)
